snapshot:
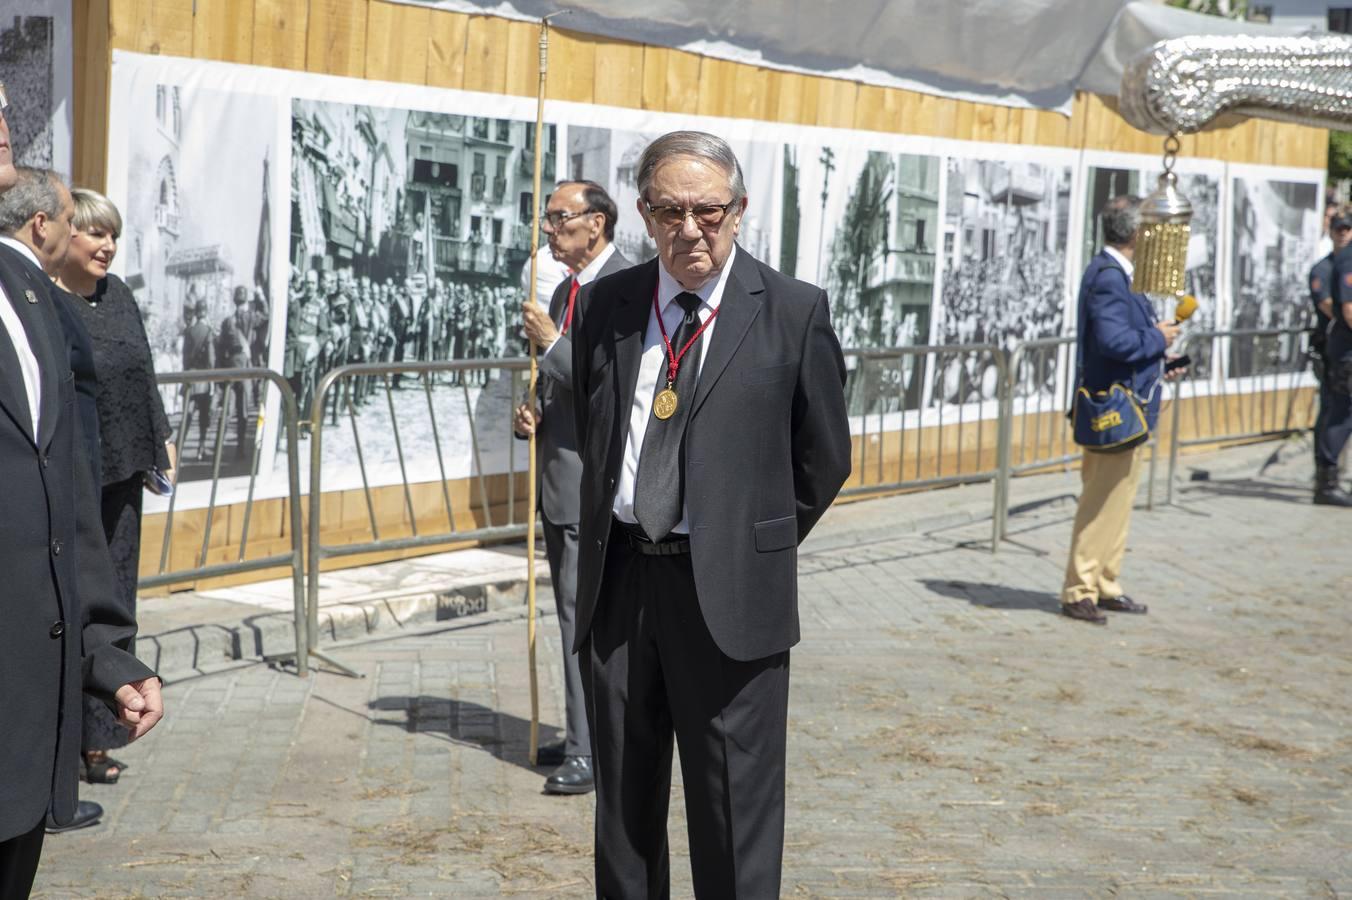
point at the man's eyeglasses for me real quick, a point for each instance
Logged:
(4, 98)
(555, 219)
(707, 216)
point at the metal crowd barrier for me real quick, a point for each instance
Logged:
(350, 386)
(235, 385)
(946, 389)
(1271, 361)
(940, 392)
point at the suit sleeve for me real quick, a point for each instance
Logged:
(821, 430)
(557, 362)
(107, 625)
(1110, 323)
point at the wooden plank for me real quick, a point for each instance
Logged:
(717, 87)
(575, 73)
(153, 26)
(223, 30)
(396, 42)
(485, 55)
(836, 100)
(749, 101)
(655, 77)
(279, 33)
(682, 82)
(336, 37)
(618, 73)
(93, 58)
(446, 35)
(523, 59)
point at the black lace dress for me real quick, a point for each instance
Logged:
(132, 432)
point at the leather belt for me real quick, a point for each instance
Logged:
(671, 545)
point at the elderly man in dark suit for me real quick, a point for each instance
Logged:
(579, 221)
(1119, 342)
(711, 415)
(64, 630)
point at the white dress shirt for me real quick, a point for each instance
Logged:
(653, 364)
(589, 273)
(1127, 265)
(28, 363)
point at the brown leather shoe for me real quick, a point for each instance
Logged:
(1123, 604)
(1085, 611)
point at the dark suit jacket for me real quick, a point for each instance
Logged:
(767, 444)
(62, 628)
(80, 346)
(1118, 338)
(556, 443)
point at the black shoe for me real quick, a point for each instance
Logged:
(1327, 490)
(1123, 604)
(550, 754)
(87, 813)
(1085, 611)
(573, 777)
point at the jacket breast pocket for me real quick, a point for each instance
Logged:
(776, 534)
(769, 374)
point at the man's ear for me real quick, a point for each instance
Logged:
(37, 227)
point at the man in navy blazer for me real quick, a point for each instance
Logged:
(64, 631)
(1119, 341)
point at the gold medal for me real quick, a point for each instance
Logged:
(664, 404)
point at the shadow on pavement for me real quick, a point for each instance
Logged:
(465, 724)
(1251, 488)
(994, 596)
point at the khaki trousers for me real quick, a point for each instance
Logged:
(1099, 540)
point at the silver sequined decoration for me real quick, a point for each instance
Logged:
(1181, 85)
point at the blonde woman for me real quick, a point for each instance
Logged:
(133, 429)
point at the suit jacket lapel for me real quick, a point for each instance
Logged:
(739, 307)
(631, 324)
(21, 280)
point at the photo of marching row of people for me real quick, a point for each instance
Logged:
(409, 234)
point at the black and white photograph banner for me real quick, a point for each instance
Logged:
(1275, 227)
(302, 222)
(36, 49)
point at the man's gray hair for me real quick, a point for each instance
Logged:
(1120, 218)
(696, 144)
(35, 191)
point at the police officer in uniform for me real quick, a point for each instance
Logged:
(1321, 296)
(1335, 411)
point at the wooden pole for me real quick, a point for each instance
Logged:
(531, 494)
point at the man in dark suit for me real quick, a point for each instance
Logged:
(713, 435)
(1327, 489)
(64, 630)
(1119, 342)
(580, 223)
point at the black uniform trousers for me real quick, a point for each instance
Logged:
(19, 862)
(651, 670)
(1333, 427)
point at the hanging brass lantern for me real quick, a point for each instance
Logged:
(1162, 242)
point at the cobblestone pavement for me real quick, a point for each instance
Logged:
(950, 735)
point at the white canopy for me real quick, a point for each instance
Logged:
(1027, 53)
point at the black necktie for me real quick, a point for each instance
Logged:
(659, 489)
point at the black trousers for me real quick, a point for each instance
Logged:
(1333, 427)
(19, 863)
(651, 670)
